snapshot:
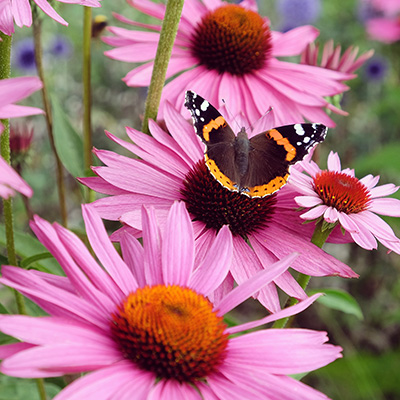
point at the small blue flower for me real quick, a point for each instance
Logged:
(61, 47)
(295, 13)
(23, 55)
(376, 68)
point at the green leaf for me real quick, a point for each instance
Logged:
(3, 310)
(27, 246)
(22, 389)
(68, 142)
(26, 262)
(384, 160)
(339, 299)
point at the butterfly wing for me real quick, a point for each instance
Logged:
(273, 152)
(218, 137)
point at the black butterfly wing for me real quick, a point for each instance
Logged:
(218, 137)
(273, 152)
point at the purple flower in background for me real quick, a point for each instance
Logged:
(376, 69)
(60, 46)
(295, 13)
(24, 55)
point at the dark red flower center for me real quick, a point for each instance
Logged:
(232, 39)
(209, 202)
(170, 331)
(341, 191)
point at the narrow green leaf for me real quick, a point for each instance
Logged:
(339, 299)
(68, 142)
(26, 262)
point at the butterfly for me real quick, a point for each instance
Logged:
(255, 167)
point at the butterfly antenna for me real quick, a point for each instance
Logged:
(232, 116)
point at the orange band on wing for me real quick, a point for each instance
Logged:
(279, 139)
(219, 176)
(213, 124)
(267, 189)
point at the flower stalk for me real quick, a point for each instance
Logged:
(37, 37)
(169, 29)
(87, 94)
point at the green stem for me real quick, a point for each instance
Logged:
(169, 29)
(87, 94)
(37, 37)
(319, 237)
(5, 70)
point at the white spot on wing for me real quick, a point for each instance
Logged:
(299, 129)
(306, 139)
(204, 105)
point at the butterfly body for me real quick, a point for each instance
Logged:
(254, 167)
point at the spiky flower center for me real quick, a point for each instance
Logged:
(232, 39)
(216, 206)
(170, 331)
(341, 191)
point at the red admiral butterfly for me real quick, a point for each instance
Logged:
(255, 167)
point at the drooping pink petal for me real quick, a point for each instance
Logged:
(389, 207)
(106, 252)
(216, 264)
(255, 283)
(172, 389)
(105, 383)
(10, 181)
(177, 251)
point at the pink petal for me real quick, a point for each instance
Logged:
(215, 266)
(133, 255)
(10, 181)
(314, 213)
(282, 351)
(173, 390)
(101, 186)
(7, 350)
(286, 312)
(15, 111)
(106, 252)
(389, 207)
(152, 247)
(105, 383)
(293, 42)
(15, 89)
(308, 201)
(178, 247)
(22, 12)
(252, 285)
(383, 190)
(331, 215)
(334, 162)
(47, 9)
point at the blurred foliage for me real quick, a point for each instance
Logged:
(368, 140)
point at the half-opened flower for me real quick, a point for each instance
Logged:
(20, 12)
(172, 168)
(228, 52)
(143, 325)
(337, 196)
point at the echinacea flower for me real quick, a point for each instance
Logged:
(173, 168)
(20, 12)
(228, 52)
(386, 26)
(10, 182)
(337, 196)
(332, 58)
(143, 325)
(16, 89)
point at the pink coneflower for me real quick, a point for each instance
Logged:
(20, 12)
(16, 89)
(143, 324)
(385, 27)
(10, 182)
(332, 58)
(172, 168)
(337, 196)
(228, 51)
